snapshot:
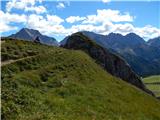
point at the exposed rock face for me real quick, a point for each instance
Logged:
(109, 61)
(37, 40)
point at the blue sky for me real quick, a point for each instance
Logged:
(61, 18)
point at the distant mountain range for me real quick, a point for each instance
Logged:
(31, 35)
(154, 42)
(143, 57)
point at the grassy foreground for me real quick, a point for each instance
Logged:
(59, 84)
(153, 83)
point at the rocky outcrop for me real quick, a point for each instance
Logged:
(37, 40)
(109, 61)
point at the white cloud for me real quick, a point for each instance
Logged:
(123, 28)
(147, 32)
(38, 9)
(89, 27)
(7, 18)
(108, 15)
(5, 28)
(49, 25)
(106, 1)
(60, 5)
(107, 20)
(26, 5)
(54, 19)
(73, 19)
(19, 4)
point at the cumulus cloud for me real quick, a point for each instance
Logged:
(108, 15)
(19, 4)
(5, 28)
(89, 27)
(7, 18)
(54, 19)
(147, 32)
(26, 5)
(60, 5)
(123, 28)
(107, 20)
(73, 19)
(49, 25)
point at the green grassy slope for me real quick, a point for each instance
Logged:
(153, 83)
(60, 84)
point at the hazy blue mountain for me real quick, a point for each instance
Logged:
(155, 42)
(63, 42)
(142, 56)
(31, 35)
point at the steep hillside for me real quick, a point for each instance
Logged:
(153, 83)
(51, 83)
(143, 57)
(109, 61)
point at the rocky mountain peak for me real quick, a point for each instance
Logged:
(31, 35)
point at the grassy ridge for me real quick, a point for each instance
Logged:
(60, 84)
(153, 83)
